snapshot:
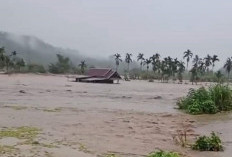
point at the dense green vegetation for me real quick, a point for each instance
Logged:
(171, 68)
(163, 154)
(212, 143)
(212, 100)
(35, 68)
(61, 66)
(10, 61)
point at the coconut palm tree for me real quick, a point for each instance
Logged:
(158, 67)
(14, 53)
(83, 66)
(140, 58)
(128, 60)
(196, 60)
(180, 70)
(208, 62)
(147, 62)
(194, 72)
(174, 67)
(170, 65)
(155, 60)
(201, 67)
(214, 59)
(2, 56)
(117, 60)
(166, 68)
(155, 57)
(175, 63)
(163, 69)
(188, 55)
(228, 66)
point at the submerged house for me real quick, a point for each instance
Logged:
(95, 75)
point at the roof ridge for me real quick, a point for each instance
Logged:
(113, 72)
(107, 72)
(102, 68)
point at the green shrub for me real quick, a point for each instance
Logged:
(163, 154)
(212, 143)
(148, 76)
(222, 96)
(35, 68)
(210, 101)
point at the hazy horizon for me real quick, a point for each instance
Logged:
(104, 27)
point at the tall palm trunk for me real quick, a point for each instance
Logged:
(128, 68)
(116, 68)
(213, 67)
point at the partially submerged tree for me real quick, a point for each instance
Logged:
(128, 60)
(196, 60)
(9, 62)
(19, 64)
(180, 71)
(117, 60)
(214, 59)
(140, 58)
(174, 67)
(155, 60)
(2, 57)
(82, 65)
(194, 74)
(228, 66)
(6, 60)
(188, 55)
(208, 62)
(63, 65)
(147, 63)
(219, 76)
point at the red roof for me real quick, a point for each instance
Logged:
(106, 73)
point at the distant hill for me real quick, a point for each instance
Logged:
(35, 50)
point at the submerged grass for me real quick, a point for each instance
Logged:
(7, 149)
(53, 110)
(20, 133)
(84, 149)
(210, 101)
(111, 155)
(163, 154)
(15, 107)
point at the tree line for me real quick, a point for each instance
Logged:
(11, 62)
(169, 67)
(163, 68)
(64, 65)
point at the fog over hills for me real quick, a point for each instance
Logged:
(35, 50)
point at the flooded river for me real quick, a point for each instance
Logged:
(130, 119)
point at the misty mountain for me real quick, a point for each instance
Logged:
(35, 50)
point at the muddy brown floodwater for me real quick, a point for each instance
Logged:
(130, 119)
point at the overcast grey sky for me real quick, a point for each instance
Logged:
(104, 27)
